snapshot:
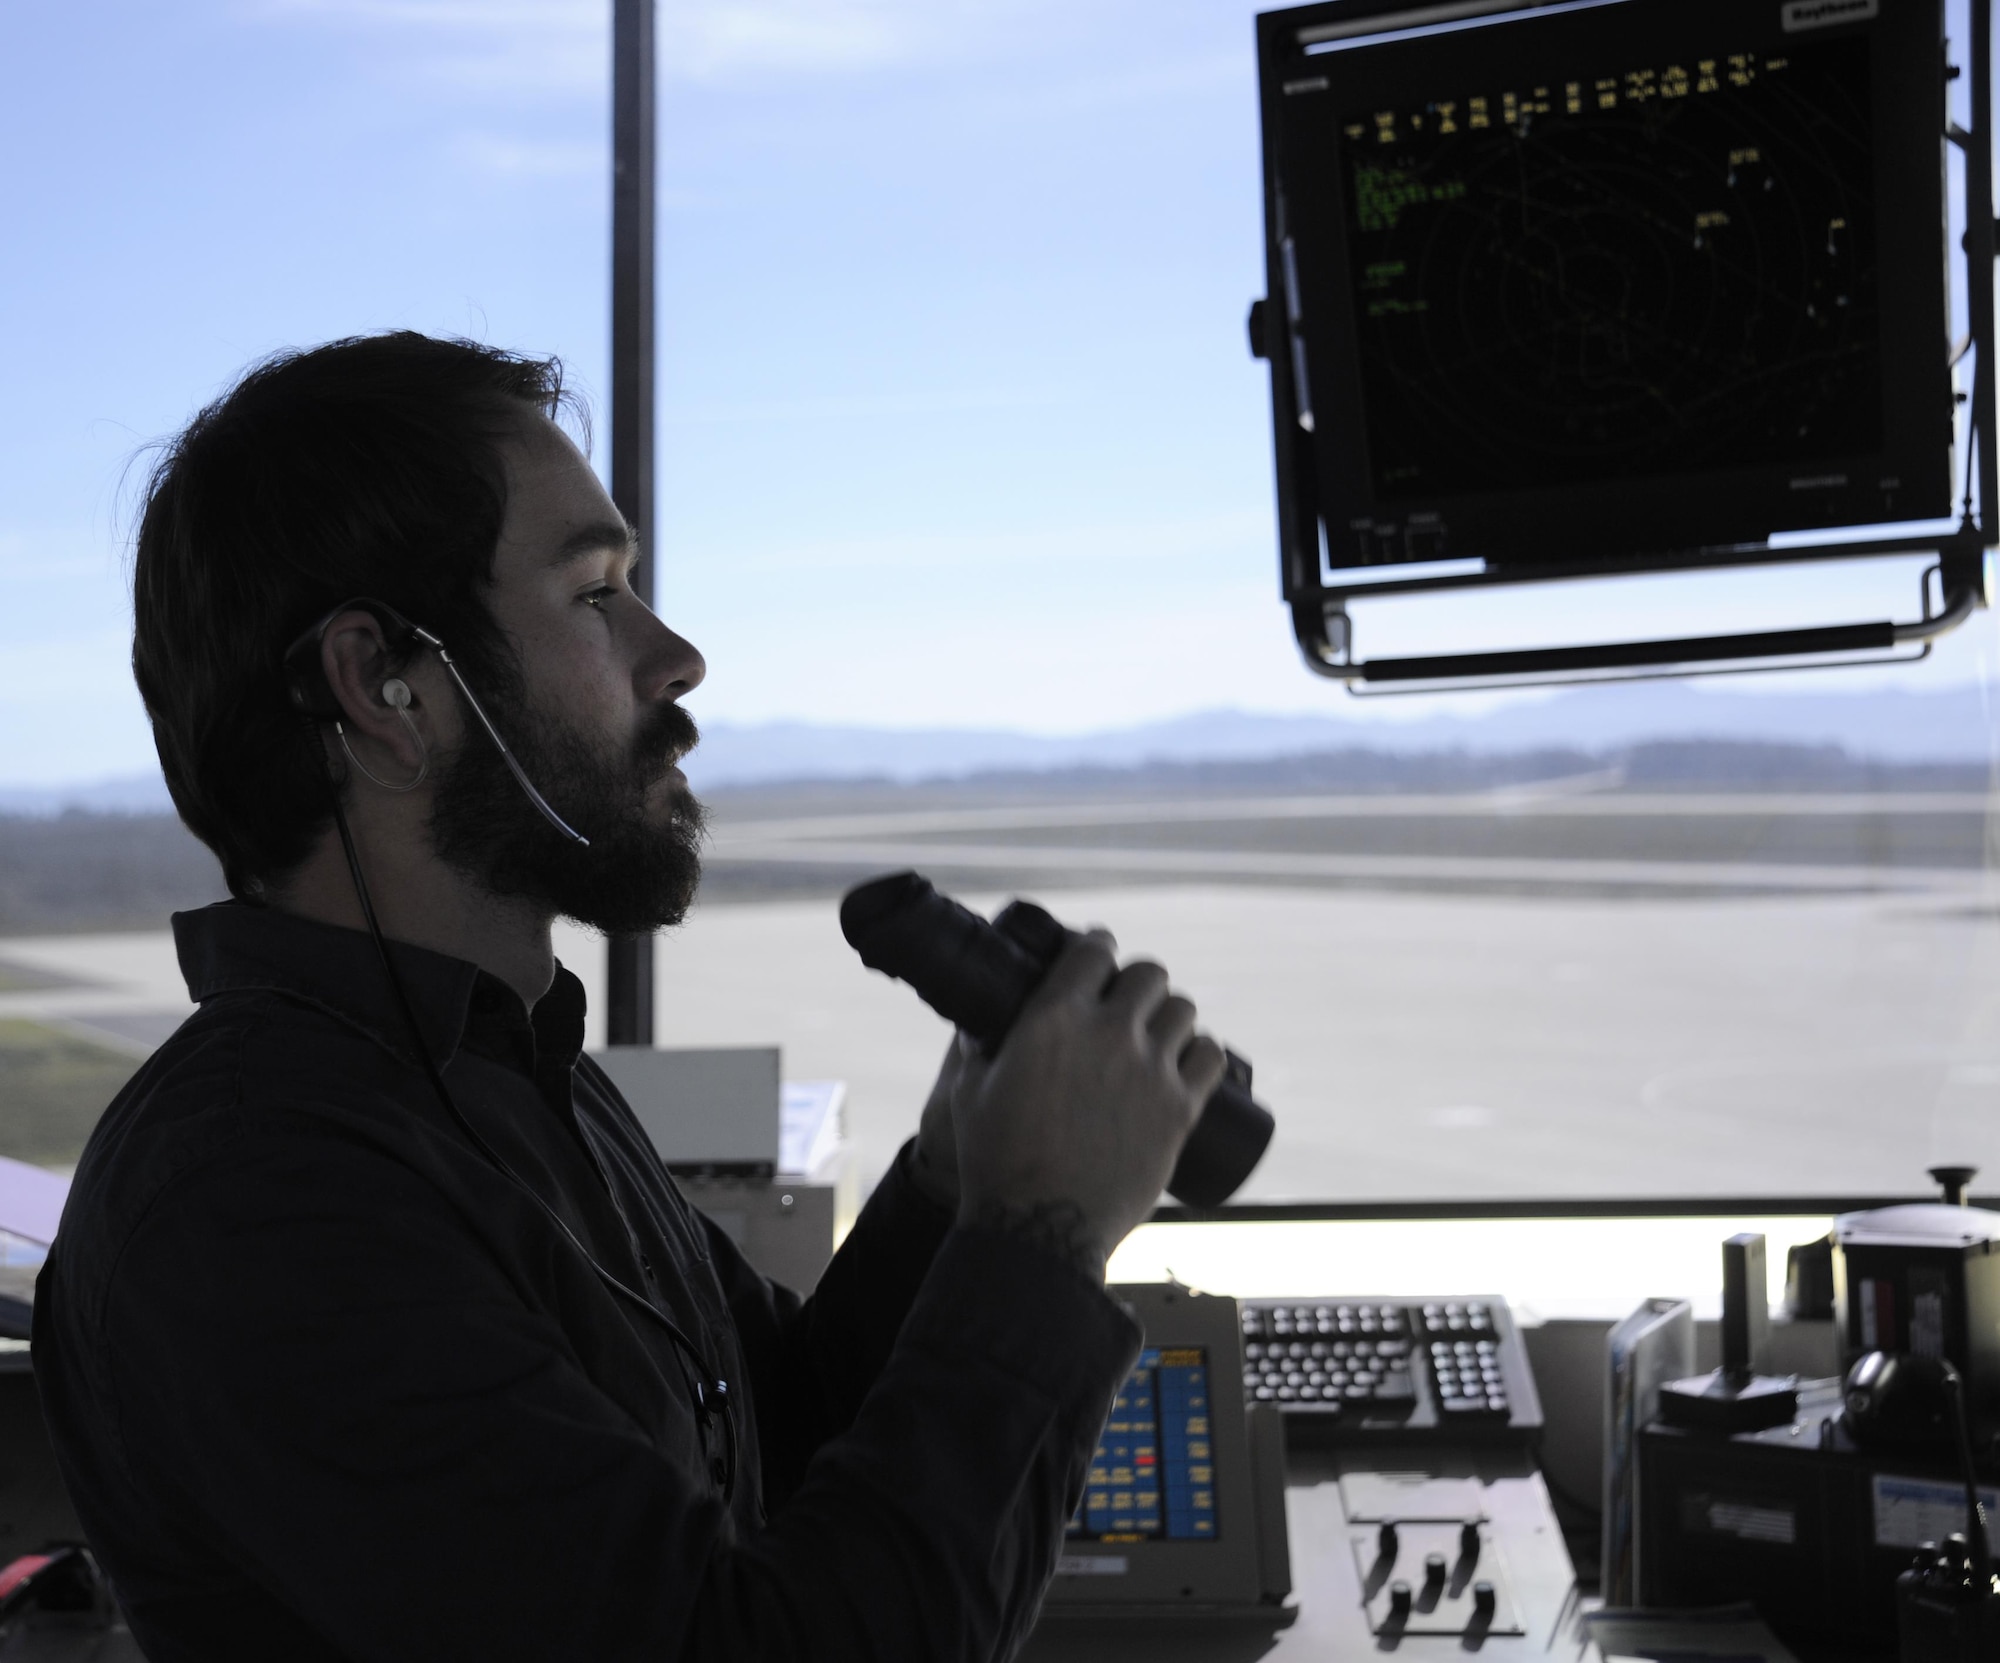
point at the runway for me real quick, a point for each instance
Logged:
(1565, 836)
(1561, 992)
(1471, 1047)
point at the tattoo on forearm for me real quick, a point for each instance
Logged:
(1056, 1227)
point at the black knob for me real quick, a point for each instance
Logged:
(1259, 310)
(1385, 1542)
(1434, 1568)
(1954, 1181)
(1483, 1598)
(1399, 1599)
(1468, 1542)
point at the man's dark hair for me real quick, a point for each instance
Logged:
(368, 466)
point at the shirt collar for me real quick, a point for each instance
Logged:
(231, 947)
(541, 1040)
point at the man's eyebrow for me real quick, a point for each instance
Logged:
(595, 538)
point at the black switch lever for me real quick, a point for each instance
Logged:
(1385, 1542)
(1468, 1542)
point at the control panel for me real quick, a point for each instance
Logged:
(1429, 1557)
(1182, 1511)
(1449, 1367)
(1443, 1595)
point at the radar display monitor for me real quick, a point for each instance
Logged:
(1612, 278)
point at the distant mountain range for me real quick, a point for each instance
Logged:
(1887, 725)
(126, 794)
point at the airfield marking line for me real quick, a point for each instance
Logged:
(1486, 805)
(1251, 863)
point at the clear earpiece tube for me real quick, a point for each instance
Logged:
(500, 744)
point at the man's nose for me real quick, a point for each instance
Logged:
(671, 666)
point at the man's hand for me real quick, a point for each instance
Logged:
(1070, 1132)
(937, 1142)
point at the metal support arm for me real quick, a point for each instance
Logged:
(1323, 632)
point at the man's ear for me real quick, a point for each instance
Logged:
(355, 658)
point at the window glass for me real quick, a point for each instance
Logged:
(966, 494)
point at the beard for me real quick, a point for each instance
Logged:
(639, 874)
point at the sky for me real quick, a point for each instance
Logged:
(958, 425)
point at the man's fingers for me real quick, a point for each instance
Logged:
(1202, 1063)
(1082, 970)
(1172, 1025)
(1137, 992)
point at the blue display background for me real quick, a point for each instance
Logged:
(1153, 1475)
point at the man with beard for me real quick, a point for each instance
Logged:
(375, 1328)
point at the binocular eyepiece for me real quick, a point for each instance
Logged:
(977, 975)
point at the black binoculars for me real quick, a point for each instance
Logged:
(978, 975)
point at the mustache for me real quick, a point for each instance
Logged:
(667, 737)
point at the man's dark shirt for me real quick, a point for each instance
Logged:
(326, 1384)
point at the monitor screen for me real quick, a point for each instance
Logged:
(1636, 269)
(1152, 1477)
(1645, 274)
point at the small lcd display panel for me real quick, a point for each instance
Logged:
(1152, 1477)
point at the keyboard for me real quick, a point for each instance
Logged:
(1327, 1355)
(1406, 1365)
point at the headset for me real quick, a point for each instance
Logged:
(314, 699)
